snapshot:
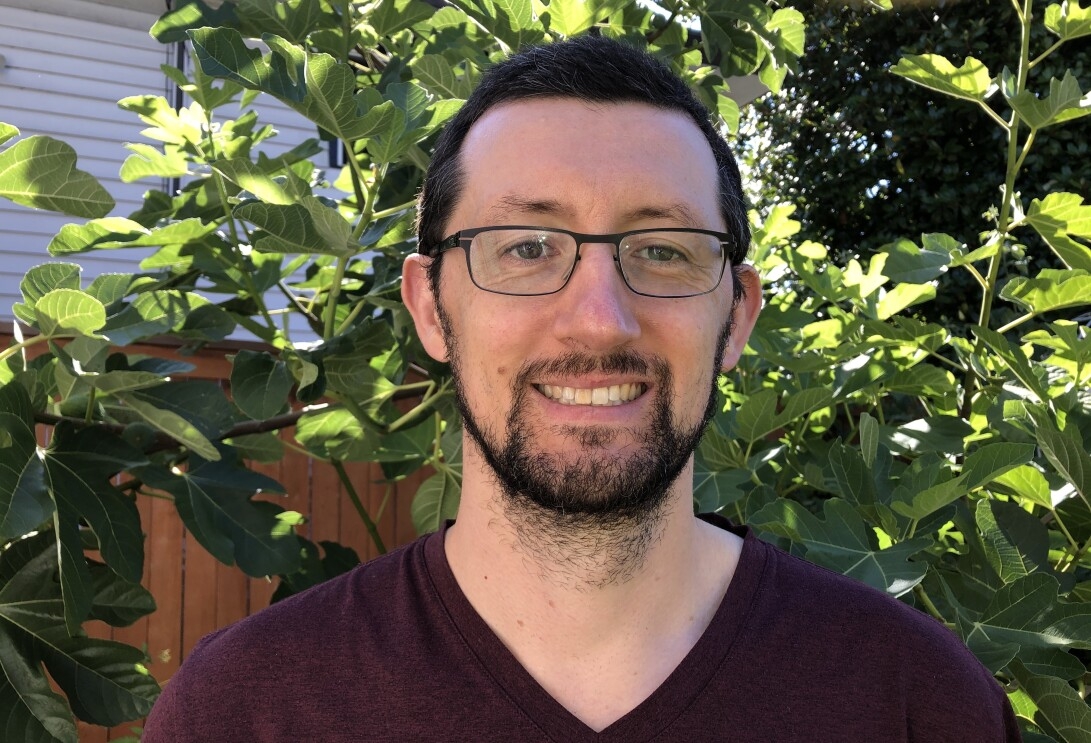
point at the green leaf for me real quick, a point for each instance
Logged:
(1058, 703)
(1068, 20)
(759, 416)
(510, 21)
(24, 502)
(910, 264)
(1065, 450)
(309, 226)
(152, 313)
(571, 17)
(980, 467)
(172, 424)
(7, 132)
(40, 172)
(1065, 102)
(1027, 481)
(1017, 362)
(42, 279)
(336, 434)
(116, 601)
(439, 77)
(936, 433)
(841, 543)
(436, 501)
(1058, 218)
(1049, 290)
(112, 233)
(215, 502)
(292, 19)
(69, 312)
(150, 162)
(1016, 543)
(106, 682)
(248, 175)
(79, 467)
(391, 16)
(260, 384)
(902, 296)
(972, 81)
(713, 489)
(32, 712)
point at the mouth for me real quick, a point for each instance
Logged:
(617, 394)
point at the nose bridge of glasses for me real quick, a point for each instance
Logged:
(613, 242)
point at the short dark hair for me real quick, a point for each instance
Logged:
(589, 68)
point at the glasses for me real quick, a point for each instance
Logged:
(533, 261)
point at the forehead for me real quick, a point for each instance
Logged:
(582, 163)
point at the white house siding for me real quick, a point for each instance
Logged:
(62, 76)
(65, 64)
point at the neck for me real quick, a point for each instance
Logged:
(500, 550)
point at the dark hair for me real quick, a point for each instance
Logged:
(588, 68)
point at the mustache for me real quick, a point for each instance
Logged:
(575, 363)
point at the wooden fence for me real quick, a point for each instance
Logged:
(195, 594)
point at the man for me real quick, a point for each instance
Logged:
(582, 237)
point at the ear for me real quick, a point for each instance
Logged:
(746, 314)
(421, 303)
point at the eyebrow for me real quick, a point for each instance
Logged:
(514, 204)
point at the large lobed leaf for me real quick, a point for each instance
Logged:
(105, 681)
(41, 172)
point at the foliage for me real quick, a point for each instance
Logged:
(867, 157)
(944, 467)
(261, 244)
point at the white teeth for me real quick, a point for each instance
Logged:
(613, 395)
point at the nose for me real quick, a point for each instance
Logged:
(595, 311)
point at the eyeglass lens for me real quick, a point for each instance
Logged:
(537, 261)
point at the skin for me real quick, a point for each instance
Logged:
(599, 647)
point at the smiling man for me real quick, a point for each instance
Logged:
(582, 242)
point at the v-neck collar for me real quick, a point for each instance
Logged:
(648, 719)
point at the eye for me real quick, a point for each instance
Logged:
(528, 250)
(661, 254)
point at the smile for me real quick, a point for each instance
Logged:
(612, 395)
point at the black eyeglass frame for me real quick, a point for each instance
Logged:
(464, 238)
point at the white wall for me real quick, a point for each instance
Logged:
(62, 76)
(65, 64)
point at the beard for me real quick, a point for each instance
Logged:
(599, 512)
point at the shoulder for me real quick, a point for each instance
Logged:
(294, 644)
(339, 605)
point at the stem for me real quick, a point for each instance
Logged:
(89, 415)
(335, 290)
(31, 341)
(392, 210)
(429, 400)
(993, 114)
(662, 29)
(1004, 220)
(1003, 224)
(355, 498)
(976, 274)
(1017, 322)
(366, 216)
(1045, 54)
(922, 596)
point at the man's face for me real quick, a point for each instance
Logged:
(532, 372)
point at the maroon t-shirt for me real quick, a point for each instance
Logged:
(393, 651)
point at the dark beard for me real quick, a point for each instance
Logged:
(590, 491)
(590, 522)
